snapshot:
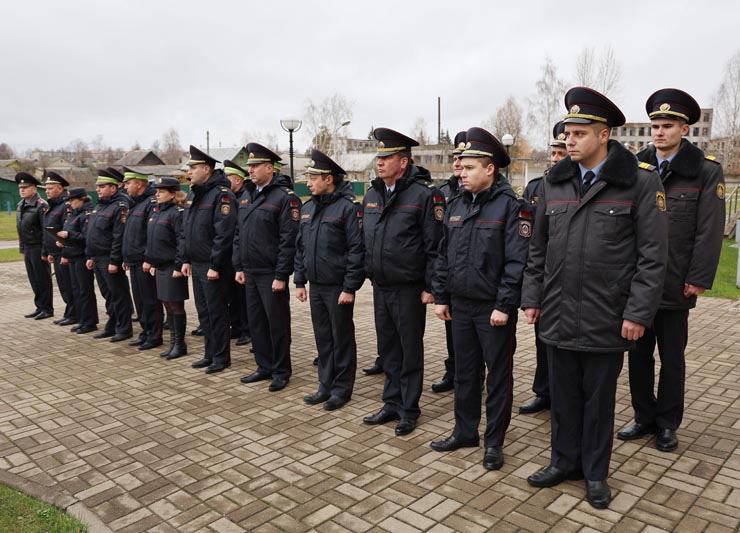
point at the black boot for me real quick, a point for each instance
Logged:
(180, 348)
(172, 336)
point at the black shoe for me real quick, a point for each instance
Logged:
(254, 377)
(319, 397)
(551, 476)
(493, 459)
(535, 405)
(666, 441)
(138, 342)
(598, 494)
(450, 444)
(32, 315)
(315, 361)
(243, 340)
(42, 315)
(373, 370)
(81, 330)
(277, 384)
(216, 367)
(443, 385)
(405, 426)
(58, 320)
(67, 322)
(198, 332)
(202, 363)
(636, 430)
(118, 337)
(148, 345)
(104, 334)
(74, 329)
(381, 417)
(334, 403)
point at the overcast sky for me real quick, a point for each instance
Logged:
(128, 70)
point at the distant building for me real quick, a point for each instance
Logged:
(137, 158)
(636, 135)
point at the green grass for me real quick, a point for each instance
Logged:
(7, 226)
(8, 255)
(724, 281)
(22, 514)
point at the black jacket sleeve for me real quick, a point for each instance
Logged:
(441, 269)
(432, 214)
(288, 230)
(534, 272)
(299, 268)
(224, 222)
(710, 222)
(119, 225)
(354, 274)
(516, 246)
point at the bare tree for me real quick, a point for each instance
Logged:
(601, 72)
(6, 152)
(171, 147)
(80, 151)
(323, 120)
(509, 118)
(270, 140)
(546, 105)
(419, 131)
(727, 113)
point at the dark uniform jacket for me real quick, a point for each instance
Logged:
(163, 234)
(329, 249)
(134, 236)
(208, 223)
(533, 193)
(76, 227)
(29, 221)
(268, 225)
(59, 209)
(402, 231)
(451, 188)
(695, 190)
(597, 260)
(484, 248)
(105, 228)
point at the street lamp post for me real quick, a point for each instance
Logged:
(507, 140)
(333, 146)
(290, 125)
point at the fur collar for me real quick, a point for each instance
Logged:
(620, 167)
(687, 163)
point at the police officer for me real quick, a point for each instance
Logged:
(479, 271)
(30, 215)
(104, 255)
(532, 194)
(143, 285)
(208, 232)
(450, 189)
(237, 296)
(73, 235)
(695, 191)
(601, 230)
(263, 258)
(59, 209)
(402, 226)
(330, 255)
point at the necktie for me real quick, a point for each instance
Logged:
(663, 168)
(587, 182)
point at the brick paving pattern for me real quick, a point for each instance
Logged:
(152, 445)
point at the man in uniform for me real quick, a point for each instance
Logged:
(330, 255)
(402, 225)
(601, 230)
(208, 230)
(479, 271)
(143, 284)
(104, 254)
(532, 194)
(59, 209)
(695, 191)
(30, 225)
(264, 256)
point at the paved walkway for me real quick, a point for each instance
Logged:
(150, 445)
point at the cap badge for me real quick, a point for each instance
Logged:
(665, 107)
(461, 146)
(574, 109)
(467, 146)
(311, 163)
(381, 144)
(251, 155)
(561, 136)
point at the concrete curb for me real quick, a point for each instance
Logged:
(58, 498)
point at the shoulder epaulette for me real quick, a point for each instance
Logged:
(223, 189)
(180, 209)
(122, 204)
(647, 166)
(287, 189)
(153, 200)
(712, 159)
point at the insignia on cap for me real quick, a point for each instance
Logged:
(311, 163)
(574, 109)
(561, 136)
(461, 146)
(381, 144)
(467, 146)
(159, 180)
(251, 155)
(665, 107)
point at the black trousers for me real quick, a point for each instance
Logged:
(148, 307)
(583, 386)
(269, 324)
(400, 319)
(479, 344)
(213, 313)
(238, 309)
(334, 330)
(39, 276)
(541, 385)
(115, 290)
(670, 330)
(64, 282)
(450, 361)
(83, 288)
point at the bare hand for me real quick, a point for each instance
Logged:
(89, 264)
(532, 314)
(278, 286)
(64, 261)
(690, 290)
(125, 267)
(48, 258)
(112, 269)
(632, 330)
(59, 244)
(185, 270)
(499, 318)
(427, 298)
(302, 294)
(442, 312)
(62, 234)
(145, 266)
(212, 275)
(153, 272)
(346, 298)
(240, 278)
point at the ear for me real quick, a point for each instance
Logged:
(684, 129)
(491, 169)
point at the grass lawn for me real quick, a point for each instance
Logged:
(22, 514)
(7, 226)
(724, 281)
(10, 254)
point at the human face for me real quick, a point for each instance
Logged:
(236, 182)
(320, 184)
(76, 203)
(105, 190)
(667, 134)
(199, 173)
(54, 191)
(456, 166)
(557, 153)
(134, 187)
(474, 176)
(586, 143)
(164, 195)
(392, 167)
(27, 192)
(261, 173)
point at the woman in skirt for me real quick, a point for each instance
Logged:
(163, 233)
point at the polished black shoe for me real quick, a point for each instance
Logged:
(381, 417)
(58, 320)
(104, 334)
(216, 367)
(450, 444)
(67, 322)
(319, 397)
(666, 441)
(535, 405)
(118, 337)
(636, 430)
(202, 363)
(277, 384)
(42, 315)
(551, 476)
(198, 332)
(315, 361)
(149, 344)
(405, 426)
(32, 315)
(74, 328)
(243, 340)
(255, 377)
(443, 385)
(81, 330)
(493, 459)
(138, 342)
(373, 370)
(334, 403)
(598, 494)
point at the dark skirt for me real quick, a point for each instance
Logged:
(171, 289)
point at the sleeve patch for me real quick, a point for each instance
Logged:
(439, 212)
(660, 201)
(525, 228)
(721, 191)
